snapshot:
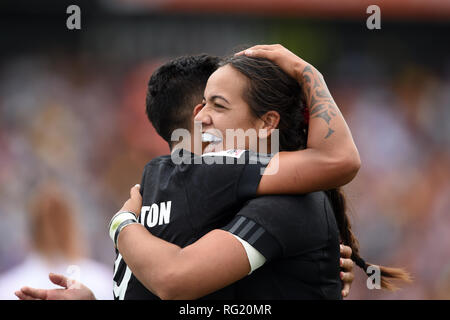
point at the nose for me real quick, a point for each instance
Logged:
(204, 116)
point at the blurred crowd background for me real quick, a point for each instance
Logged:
(74, 136)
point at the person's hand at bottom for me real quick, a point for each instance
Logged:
(73, 290)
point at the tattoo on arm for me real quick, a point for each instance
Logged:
(318, 98)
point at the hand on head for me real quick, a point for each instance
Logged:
(285, 59)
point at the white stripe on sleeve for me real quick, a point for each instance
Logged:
(255, 258)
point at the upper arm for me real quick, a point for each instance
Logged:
(211, 263)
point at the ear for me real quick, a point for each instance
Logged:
(270, 121)
(197, 109)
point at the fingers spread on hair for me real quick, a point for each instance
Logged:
(263, 47)
(260, 53)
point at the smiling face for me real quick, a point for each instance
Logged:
(224, 108)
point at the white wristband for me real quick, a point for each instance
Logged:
(117, 220)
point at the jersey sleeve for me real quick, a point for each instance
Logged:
(281, 226)
(241, 169)
(220, 180)
(256, 235)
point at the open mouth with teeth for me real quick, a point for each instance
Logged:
(211, 142)
(210, 138)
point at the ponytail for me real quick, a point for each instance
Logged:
(388, 274)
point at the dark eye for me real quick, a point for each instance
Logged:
(219, 106)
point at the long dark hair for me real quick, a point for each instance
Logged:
(270, 88)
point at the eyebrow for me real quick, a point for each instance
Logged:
(217, 97)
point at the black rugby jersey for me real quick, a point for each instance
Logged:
(299, 237)
(183, 202)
